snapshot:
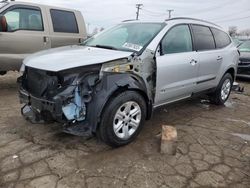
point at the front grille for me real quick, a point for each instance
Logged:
(244, 61)
(40, 83)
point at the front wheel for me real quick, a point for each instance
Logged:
(122, 119)
(221, 94)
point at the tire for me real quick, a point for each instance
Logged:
(223, 90)
(3, 73)
(122, 119)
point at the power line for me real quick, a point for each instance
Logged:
(233, 19)
(138, 6)
(238, 13)
(212, 8)
(154, 13)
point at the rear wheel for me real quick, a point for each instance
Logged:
(221, 94)
(122, 119)
(3, 72)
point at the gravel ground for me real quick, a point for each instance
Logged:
(213, 149)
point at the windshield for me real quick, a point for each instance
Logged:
(126, 37)
(2, 4)
(237, 42)
(245, 47)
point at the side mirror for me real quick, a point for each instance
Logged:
(3, 24)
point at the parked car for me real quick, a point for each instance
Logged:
(111, 83)
(26, 28)
(237, 42)
(244, 62)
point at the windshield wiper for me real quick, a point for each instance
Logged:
(106, 47)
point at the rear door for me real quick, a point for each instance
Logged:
(26, 34)
(66, 27)
(209, 58)
(176, 66)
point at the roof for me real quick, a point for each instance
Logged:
(36, 4)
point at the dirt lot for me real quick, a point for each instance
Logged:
(209, 153)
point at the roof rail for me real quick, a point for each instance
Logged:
(187, 18)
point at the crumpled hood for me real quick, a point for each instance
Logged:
(68, 57)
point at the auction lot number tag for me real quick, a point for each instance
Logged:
(132, 46)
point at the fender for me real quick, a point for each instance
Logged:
(111, 84)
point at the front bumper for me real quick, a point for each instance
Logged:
(44, 110)
(37, 110)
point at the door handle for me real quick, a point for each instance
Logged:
(81, 40)
(45, 39)
(193, 62)
(219, 58)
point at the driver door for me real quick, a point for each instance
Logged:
(26, 33)
(177, 66)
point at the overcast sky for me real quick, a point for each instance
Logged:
(104, 13)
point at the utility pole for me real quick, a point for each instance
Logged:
(138, 6)
(169, 13)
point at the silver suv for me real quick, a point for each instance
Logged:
(111, 83)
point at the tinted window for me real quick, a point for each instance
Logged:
(177, 40)
(64, 21)
(221, 38)
(203, 38)
(24, 19)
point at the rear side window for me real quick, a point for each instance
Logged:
(177, 40)
(221, 38)
(64, 21)
(203, 38)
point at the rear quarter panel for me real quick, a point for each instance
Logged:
(230, 60)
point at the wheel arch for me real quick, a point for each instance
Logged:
(231, 71)
(110, 86)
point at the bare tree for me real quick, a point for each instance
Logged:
(233, 31)
(245, 32)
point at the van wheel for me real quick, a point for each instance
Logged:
(221, 94)
(3, 72)
(122, 119)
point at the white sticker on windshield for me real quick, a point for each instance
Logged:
(132, 46)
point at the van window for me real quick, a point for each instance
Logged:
(64, 21)
(203, 38)
(221, 38)
(177, 40)
(24, 19)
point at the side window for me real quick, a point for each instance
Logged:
(203, 38)
(221, 38)
(64, 21)
(177, 40)
(24, 19)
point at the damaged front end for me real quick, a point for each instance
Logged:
(59, 96)
(76, 97)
